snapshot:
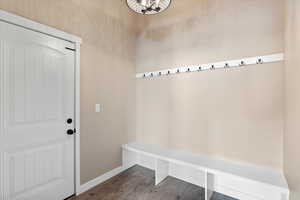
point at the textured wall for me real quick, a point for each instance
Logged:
(232, 114)
(107, 71)
(292, 100)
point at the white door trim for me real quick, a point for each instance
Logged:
(34, 26)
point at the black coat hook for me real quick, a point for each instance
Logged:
(259, 61)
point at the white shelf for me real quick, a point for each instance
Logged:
(223, 175)
(278, 57)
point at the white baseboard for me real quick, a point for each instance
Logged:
(89, 185)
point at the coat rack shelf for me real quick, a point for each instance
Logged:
(213, 66)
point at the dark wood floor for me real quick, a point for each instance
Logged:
(137, 183)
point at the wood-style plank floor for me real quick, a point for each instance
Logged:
(137, 183)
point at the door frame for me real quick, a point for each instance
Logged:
(44, 29)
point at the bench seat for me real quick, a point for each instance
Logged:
(238, 180)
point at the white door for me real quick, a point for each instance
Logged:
(36, 99)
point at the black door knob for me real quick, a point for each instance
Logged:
(69, 121)
(70, 132)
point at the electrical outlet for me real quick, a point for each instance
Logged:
(97, 108)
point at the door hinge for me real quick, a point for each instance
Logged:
(70, 49)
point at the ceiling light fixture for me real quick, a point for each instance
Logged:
(148, 7)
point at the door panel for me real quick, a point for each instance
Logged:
(36, 99)
(35, 80)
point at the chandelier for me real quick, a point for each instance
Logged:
(148, 7)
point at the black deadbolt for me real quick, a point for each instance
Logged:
(70, 132)
(69, 121)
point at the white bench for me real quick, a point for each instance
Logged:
(241, 181)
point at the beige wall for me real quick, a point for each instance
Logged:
(292, 100)
(232, 114)
(235, 114)
(210, 30)
(107, 71)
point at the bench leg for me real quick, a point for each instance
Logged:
(129, 158)
(209, 185)
(161, 170)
